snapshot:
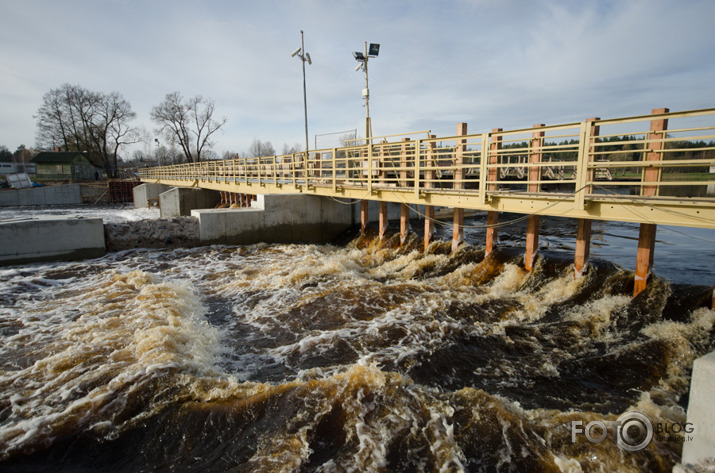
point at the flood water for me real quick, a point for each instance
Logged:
(356, 357)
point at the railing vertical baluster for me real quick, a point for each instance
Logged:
(418, 143)
(655, 149)
(582, 164)
(483, 160)
(275, 173)
(334, 170)
(369, 168)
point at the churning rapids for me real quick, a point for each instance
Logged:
(363, 357)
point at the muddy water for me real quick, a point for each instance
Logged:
(285, 358)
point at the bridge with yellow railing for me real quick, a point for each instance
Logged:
(638, 169)
(651, 169)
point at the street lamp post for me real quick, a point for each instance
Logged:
(300, 52)
(363, 58)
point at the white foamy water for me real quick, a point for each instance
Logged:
(320, 358)
(113, 213)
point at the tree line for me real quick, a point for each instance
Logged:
(72, 118)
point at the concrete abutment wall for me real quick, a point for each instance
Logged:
(292, 218)
(50, 238)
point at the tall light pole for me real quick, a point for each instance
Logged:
(363, 58)
(300, 52)
(156, 140)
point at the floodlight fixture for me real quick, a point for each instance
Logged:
(295, 52)
(363, 58)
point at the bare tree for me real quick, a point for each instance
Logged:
(188, 123)
(296, 148)
(259, 149)
(72, 118)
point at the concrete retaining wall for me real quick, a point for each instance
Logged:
(180, 201)
(146, 192)
(292, 218)
(701, 412)
(68, 194)
(50, 238)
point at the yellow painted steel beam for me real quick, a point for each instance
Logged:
(666, 211)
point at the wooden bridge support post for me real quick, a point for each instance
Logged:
(644, 260)
(404, 208)
(492, 216)
(534, 176)
(363, 216)
(429, 209)
(383, 219)
(404, 223)
(459, 175)
(583, 247)
(646, 236)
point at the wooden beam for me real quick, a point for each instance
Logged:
(493, 217)
(429, 209)
(644, 260)
(657, 132)
(404, 223)
(429, 225)
(646, 236)
(537, 143)
(383, 219)
(459, 175)
(595, 130)
(532, 241)
(457, 228)
(492, 232)
(583, 247)
(532, 226)
(363, 216)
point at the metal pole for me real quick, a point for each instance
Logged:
(305, 96)
(368, 124)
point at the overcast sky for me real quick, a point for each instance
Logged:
(489, 63)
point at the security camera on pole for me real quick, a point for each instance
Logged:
(300, 52)
(363, 58)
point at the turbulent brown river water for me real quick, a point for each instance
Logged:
(360, 357)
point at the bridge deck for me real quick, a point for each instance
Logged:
(635, 169)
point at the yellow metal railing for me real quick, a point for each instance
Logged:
(657, 156)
